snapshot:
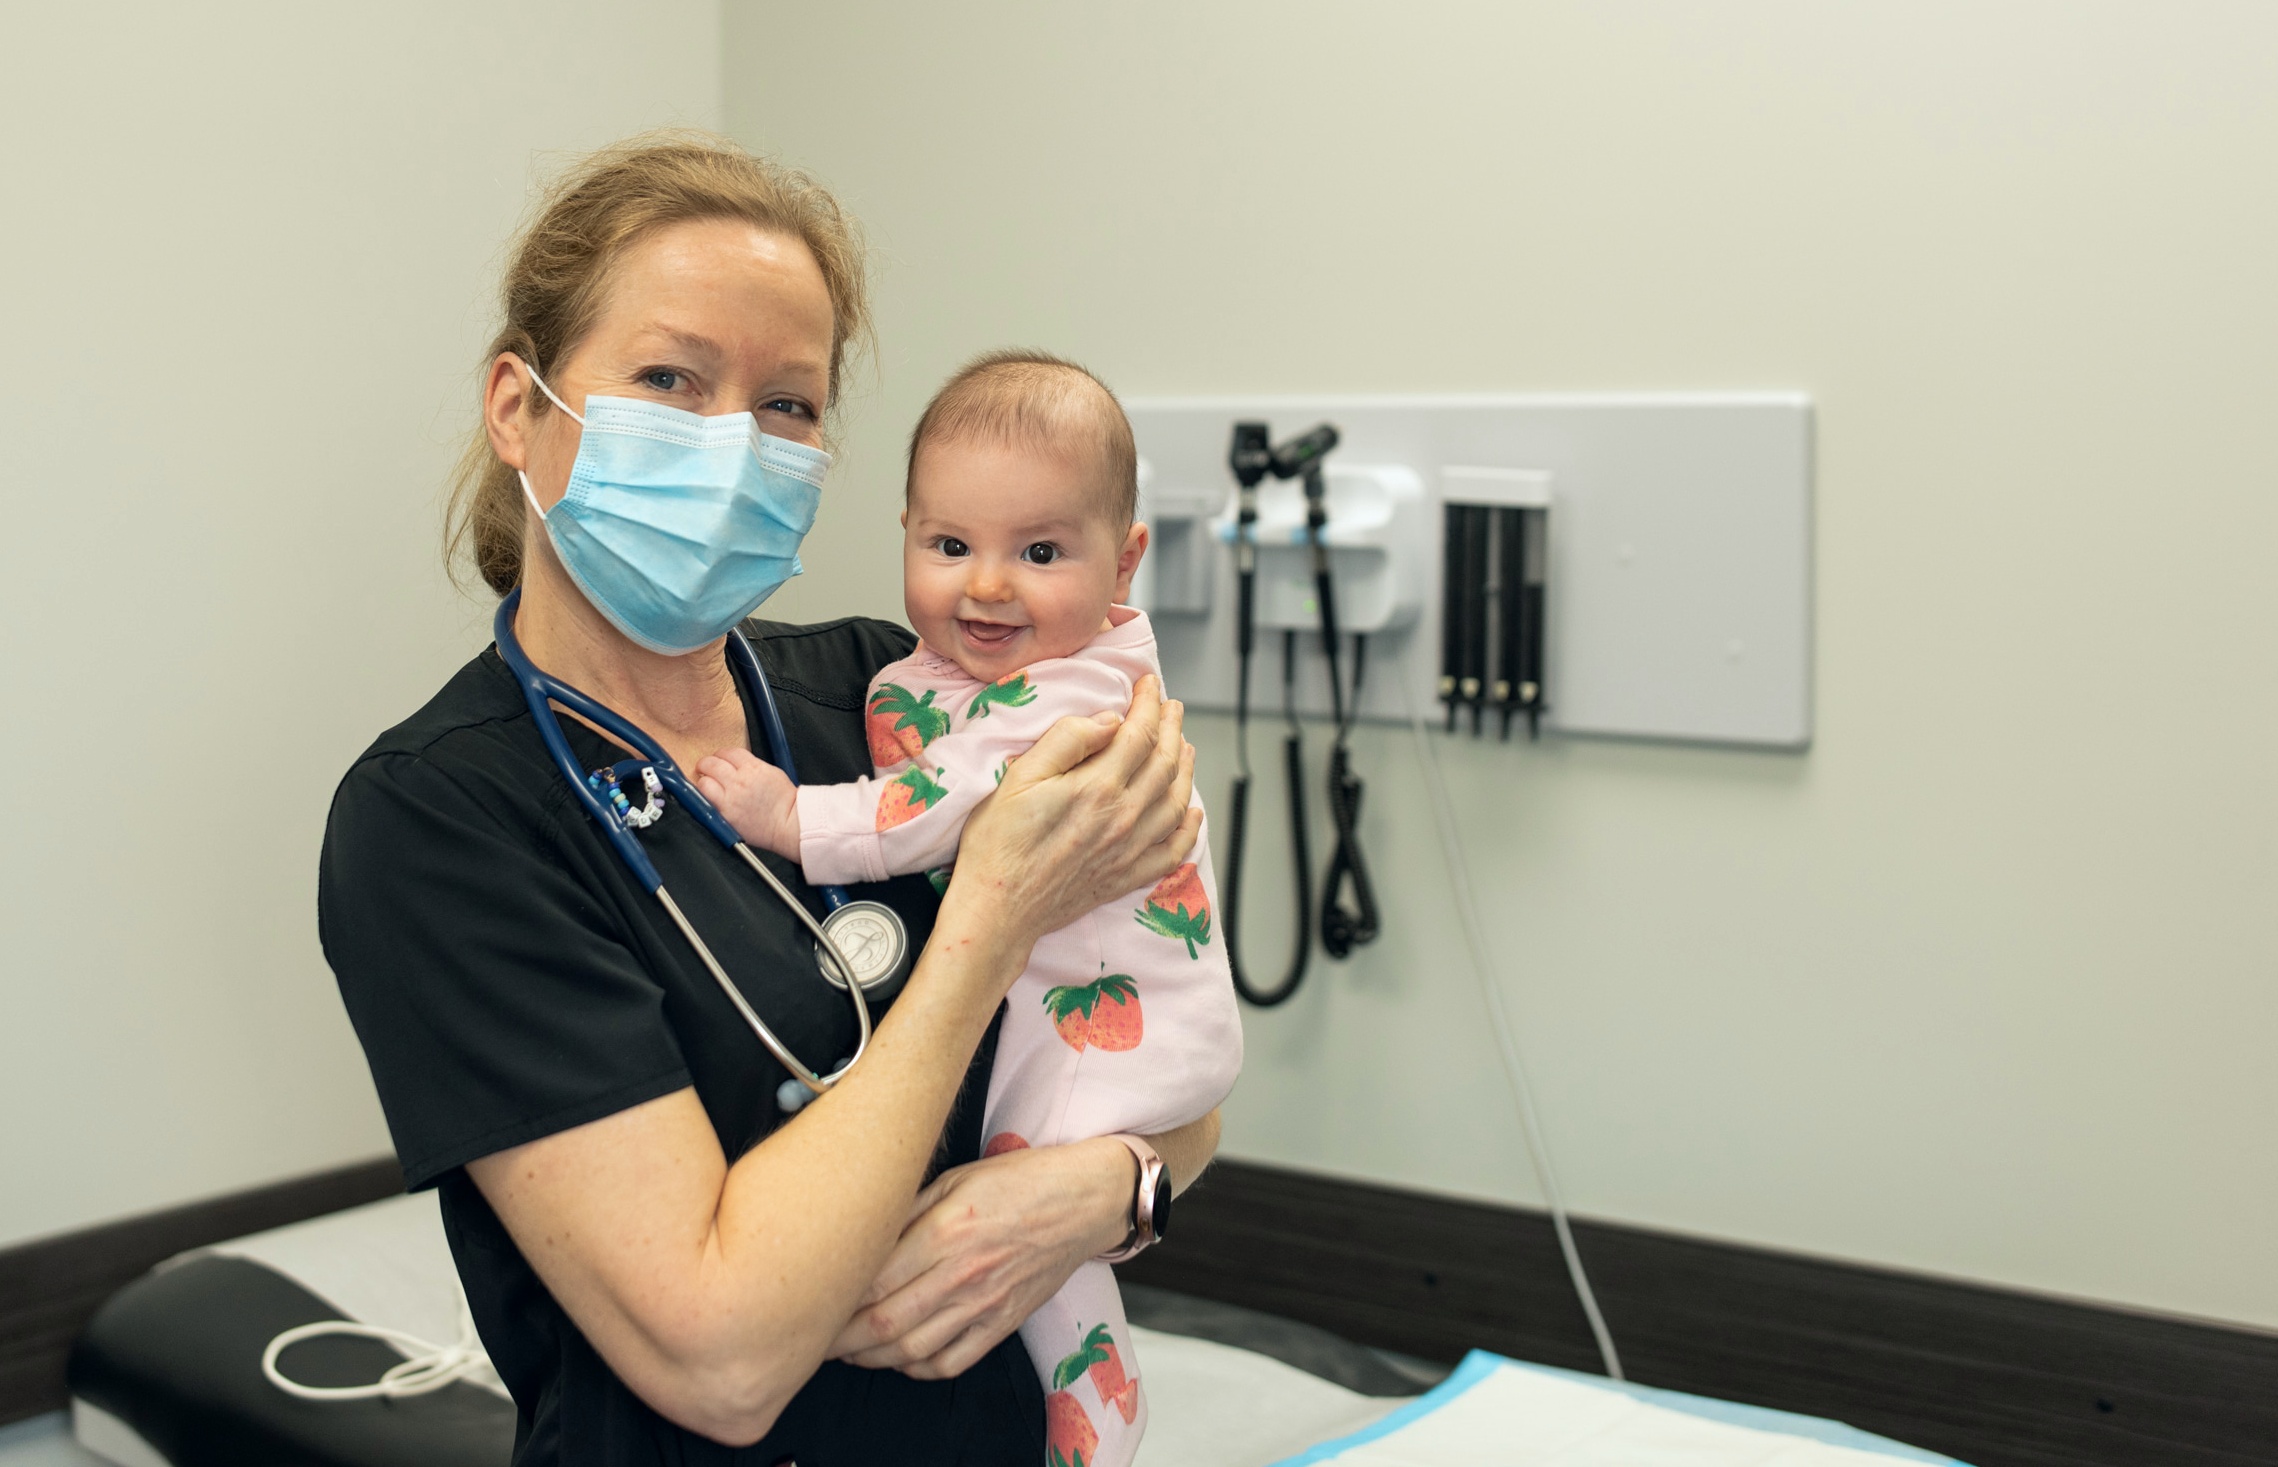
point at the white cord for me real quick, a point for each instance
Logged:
(429, 1367)
(1514, 1068)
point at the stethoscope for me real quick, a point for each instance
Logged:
(1342, 929)
(860, 946)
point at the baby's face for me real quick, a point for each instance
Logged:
(1008, 554)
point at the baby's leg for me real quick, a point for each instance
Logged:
(1094, 1413)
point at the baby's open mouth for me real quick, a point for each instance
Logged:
(989, 633)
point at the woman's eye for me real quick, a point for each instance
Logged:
(663, 379)
(788, 405)
(1041, 553)
(950, 545)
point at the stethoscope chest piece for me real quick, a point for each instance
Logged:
(872, 939)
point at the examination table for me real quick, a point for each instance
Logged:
(169, 1375)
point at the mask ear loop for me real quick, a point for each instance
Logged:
(527, 492)
(542, 387)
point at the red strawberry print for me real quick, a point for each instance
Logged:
(1116, 1021)
(1072, 1018)
(1179, 908)
(1005, 692)
(1069, 1440)
(1103, 1014)
(910, 795)
(1107, 1374)
(1003, 1142)
(899, 725)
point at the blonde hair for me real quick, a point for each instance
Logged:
(558, 275)
(1025, 397)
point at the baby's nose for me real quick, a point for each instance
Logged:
(986, 582)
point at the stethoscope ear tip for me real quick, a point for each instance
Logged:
(795, 1095)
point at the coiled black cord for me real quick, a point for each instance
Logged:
(1345, 928)
(1293, 752)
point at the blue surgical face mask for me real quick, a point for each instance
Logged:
(677, 526)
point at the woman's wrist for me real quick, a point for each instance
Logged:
(983, 916)
(1110, 1182)
(972, 956)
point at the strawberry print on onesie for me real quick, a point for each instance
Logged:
(900, 724)
(1178, 907)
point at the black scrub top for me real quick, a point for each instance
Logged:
(509, 979)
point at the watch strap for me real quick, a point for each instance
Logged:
(1143, 1229)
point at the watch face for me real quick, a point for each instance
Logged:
(1162, 1206)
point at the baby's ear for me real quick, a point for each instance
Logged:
(1127, 560)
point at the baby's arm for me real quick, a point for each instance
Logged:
(910, 820)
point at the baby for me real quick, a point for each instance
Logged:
(1019, 544)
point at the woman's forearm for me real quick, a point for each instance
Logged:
(1186, 1152)
(712, 1290)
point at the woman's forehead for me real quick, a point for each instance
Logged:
(724, 289)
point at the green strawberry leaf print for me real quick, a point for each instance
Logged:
(1006, 692)
(1192, 930)
(1072, 1369)
(1080, 998)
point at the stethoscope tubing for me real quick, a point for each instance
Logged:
(541, 690)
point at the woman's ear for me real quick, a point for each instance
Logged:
(1127, 560)
(505, 404)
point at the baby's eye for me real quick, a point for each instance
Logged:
(1043, 552)
(663, 379)
(951, 546)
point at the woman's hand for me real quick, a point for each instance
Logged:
(989, 1242)
(1094, 809)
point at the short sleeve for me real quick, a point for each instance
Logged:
(496, 997)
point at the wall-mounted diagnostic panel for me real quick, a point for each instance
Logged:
(1625, 566)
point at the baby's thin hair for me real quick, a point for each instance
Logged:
(1018, 396)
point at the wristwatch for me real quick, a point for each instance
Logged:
(1150, 1203)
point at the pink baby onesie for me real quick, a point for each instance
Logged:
(1124, 1020)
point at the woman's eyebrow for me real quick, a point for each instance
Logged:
(693, 342)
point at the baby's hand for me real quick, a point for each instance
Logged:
(759, 802)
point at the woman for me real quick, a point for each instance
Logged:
(662, 1266)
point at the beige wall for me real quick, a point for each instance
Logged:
(243, 281)
(1987, 984)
